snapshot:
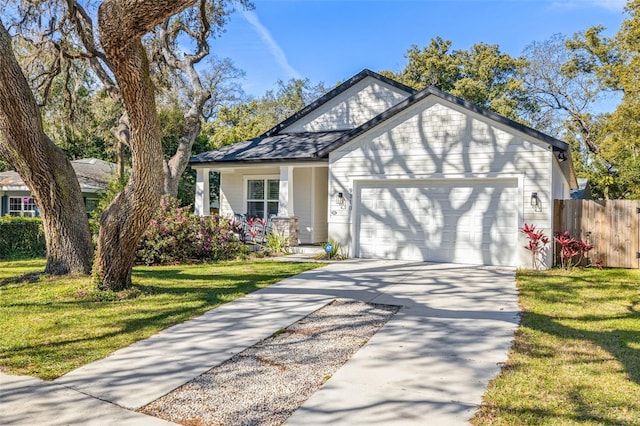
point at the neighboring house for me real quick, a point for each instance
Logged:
(392, 173)
(583, 191)
(93, 175)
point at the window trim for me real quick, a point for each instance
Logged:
(245, 189)
(31, 212)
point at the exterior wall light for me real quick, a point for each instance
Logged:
(535, 202)
(341, 200)
(562, 156)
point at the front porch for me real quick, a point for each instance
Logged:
(295, 191)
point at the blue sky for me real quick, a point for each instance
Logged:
(331, 40)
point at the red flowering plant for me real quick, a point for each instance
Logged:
(237, 227)
(537, 243)
(572, 251)
(255, 229)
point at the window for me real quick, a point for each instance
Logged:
(90, 204)
(262, 197)
(22, 206)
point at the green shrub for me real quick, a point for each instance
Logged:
(21, 237)
(337, 251)
(277, 243)
(177, 236)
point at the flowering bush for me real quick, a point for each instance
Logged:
(537, 243)
(572, 251)
(176, 235)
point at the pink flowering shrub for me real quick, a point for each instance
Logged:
(175, 235)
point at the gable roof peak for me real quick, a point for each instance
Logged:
(342, 87)
(418, 96)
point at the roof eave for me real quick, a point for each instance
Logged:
(257, 161)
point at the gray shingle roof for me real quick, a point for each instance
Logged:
(281, 147)
(93, 175)
(275, 146)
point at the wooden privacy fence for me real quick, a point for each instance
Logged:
(611, 226)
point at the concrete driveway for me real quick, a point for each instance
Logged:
(430, 364)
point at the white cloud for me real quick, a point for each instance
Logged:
(273, 47)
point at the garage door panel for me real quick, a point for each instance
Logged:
(446, 221)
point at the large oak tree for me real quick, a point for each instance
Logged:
(121, 25)
(253, 117)
(61, 51)
(45, 169)
(176, 48)
(133, 55)
(614, 62)
(482, 75)
(566, 100)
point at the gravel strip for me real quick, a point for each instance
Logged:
(266, 383)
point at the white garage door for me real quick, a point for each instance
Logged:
(461, 221)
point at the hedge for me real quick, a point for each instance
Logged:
(21, 237)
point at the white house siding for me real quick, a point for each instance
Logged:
(302, 203)
(321, 183)
(309, 200)
(435, 139)
(357, 105)
(561, 190)
(231, 187)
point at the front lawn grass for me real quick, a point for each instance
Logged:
(50, 326)
(576, 355)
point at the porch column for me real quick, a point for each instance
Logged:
(285, 199)
(202, 202)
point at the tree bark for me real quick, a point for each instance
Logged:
(121, 134)
(44, 168)
(121, 24)
(175, 166)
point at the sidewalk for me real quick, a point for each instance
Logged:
(431, 361)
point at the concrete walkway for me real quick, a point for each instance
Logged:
(430, 363)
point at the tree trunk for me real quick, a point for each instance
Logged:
(122, 23)
(174, 167)
(44, 168)
(122, 134)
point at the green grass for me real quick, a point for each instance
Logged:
(50, 326)
(576, 354)
(17, 268)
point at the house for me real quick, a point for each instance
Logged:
(391, 173)
(583, 191)
(93, 175)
